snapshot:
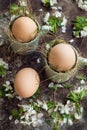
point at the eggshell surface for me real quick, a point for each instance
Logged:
(26, 82)
(24, 29)
(62, 57)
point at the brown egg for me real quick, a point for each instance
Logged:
(26, 82)
(62, 57)
(24, 29)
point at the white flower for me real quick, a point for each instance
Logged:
(79, 89)
(64, 21)
(33, 112)
(30, 116)
(25, 107)
(47, 47)
(27, 12)
(70, 122)
(82, 81)
(36, 120)
(81, 109)
(13, 17)
(64, 121)
(84, 32)
(38, 60)
(37, 123)
(16, 121)
(55, 109)
(63, 29)
(55, 120)
(78, 116)
(65, 109)
(72, 40)
(9, 95)
(57, 14)
(59, 85)
(10, 117)
(45, 107)
(60, 8)
(52, 2)
(51, 85)
(8, 87)
(25, 122)
(46, 28)
(46, 18)
(22, 117)
(22, 3)
(68, 102)
(27, 116)
(40, 115)
(40, 121)
(40, 10)
(60, 105)
(53, 7)
(82, 4)
(39, 103)
(68, 108)
(18, 97)
(7, 83)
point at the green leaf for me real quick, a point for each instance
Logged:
(77, 97)
(54, 115)
(50, 104)
(21, 111)
(73, 96)
(82, 94)
(1, 93)
(47, 121)
(56, 126)
(2, 70)
(67, 85)
(76, 33)
(35, 107)
(78, 108)
(15, 114)
(79, 23)
(54, 22)
(81, 77)
(47, 3)
(54, 28)
(14, 8)
(65, 116)
(54, 87)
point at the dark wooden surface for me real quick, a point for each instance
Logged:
(4, 4)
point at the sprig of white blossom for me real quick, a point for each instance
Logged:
(49, 2)
(82, 4)
(56, 15)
